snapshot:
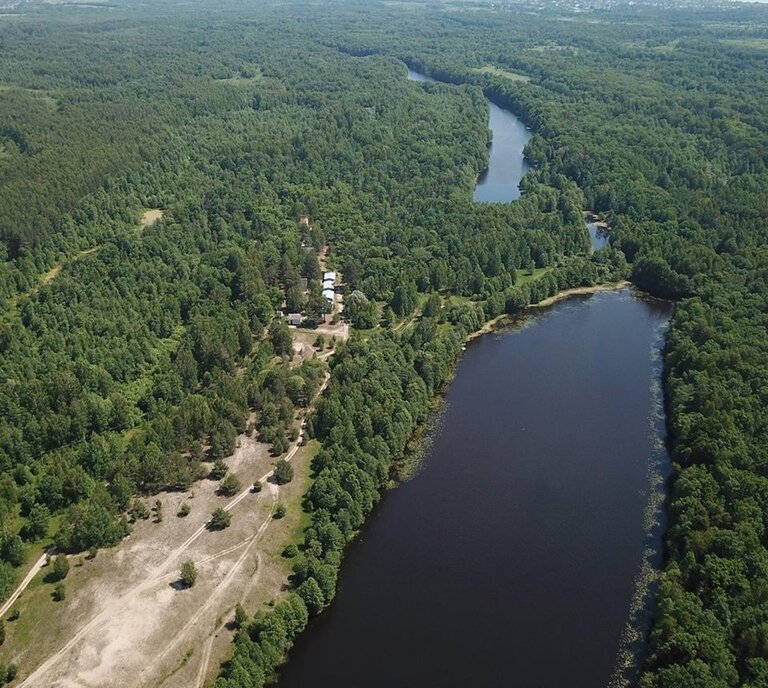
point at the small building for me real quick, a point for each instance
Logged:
(304, 284)
(294, 319)
(329, 294)
(329, 276)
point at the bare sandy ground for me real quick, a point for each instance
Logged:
(150, 217)
(127, 623)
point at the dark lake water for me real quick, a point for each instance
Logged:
(511, 558)
(506, 167)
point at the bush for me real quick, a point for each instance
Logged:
(256, 486)
(188, 573)
(283, 472)
(241, 618)
(139, 510)
(219, 470)
(229, 486)
(290, 551)
(280, 511)
(59, 592)
(60, 567)
(184, 510)
(220, 519)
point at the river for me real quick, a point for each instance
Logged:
(511, 558)
(597, 235)
(499, 183)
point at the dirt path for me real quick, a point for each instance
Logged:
(197, 616)
(156, 583)
(205, 660)
(39, 564)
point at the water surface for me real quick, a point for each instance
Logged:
(500, 182)
(510, 558)
(597, 236)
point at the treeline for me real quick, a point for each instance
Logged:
(713, 612)
(379, 392)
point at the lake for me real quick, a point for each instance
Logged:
(511, 557)
(500, 182)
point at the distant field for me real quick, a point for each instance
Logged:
(506, 74)
(248, 76)
(754, 43)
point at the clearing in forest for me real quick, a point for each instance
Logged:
(151, 216)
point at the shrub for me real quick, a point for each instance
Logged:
(184, 510)
(188, 573)
(220, 519)
(139, 510)
(60, 567)
(283, 472)
(59, 592)
(229, 486)
(219, 470)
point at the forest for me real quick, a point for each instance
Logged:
(131, 357)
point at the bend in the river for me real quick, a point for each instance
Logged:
(500, 181)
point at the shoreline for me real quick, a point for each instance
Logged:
(404, 468)
(578, 291)
(549, 301)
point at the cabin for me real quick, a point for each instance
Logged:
(294, 319)
(304, 285)
(329, 286)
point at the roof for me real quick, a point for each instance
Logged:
(329, 276)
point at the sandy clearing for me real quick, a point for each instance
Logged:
(150, 217)
(567, 293)
(122, 632)
(116, 635)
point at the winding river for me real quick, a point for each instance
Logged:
(512, 557)
(499, 183)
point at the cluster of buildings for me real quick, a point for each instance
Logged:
(329, 286)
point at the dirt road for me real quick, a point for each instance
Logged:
(39, 564)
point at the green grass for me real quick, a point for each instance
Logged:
(523, 276)
(504, 73)
(240, 80)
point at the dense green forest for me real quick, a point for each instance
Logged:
(128, 357)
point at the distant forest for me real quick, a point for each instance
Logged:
(128, 354)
